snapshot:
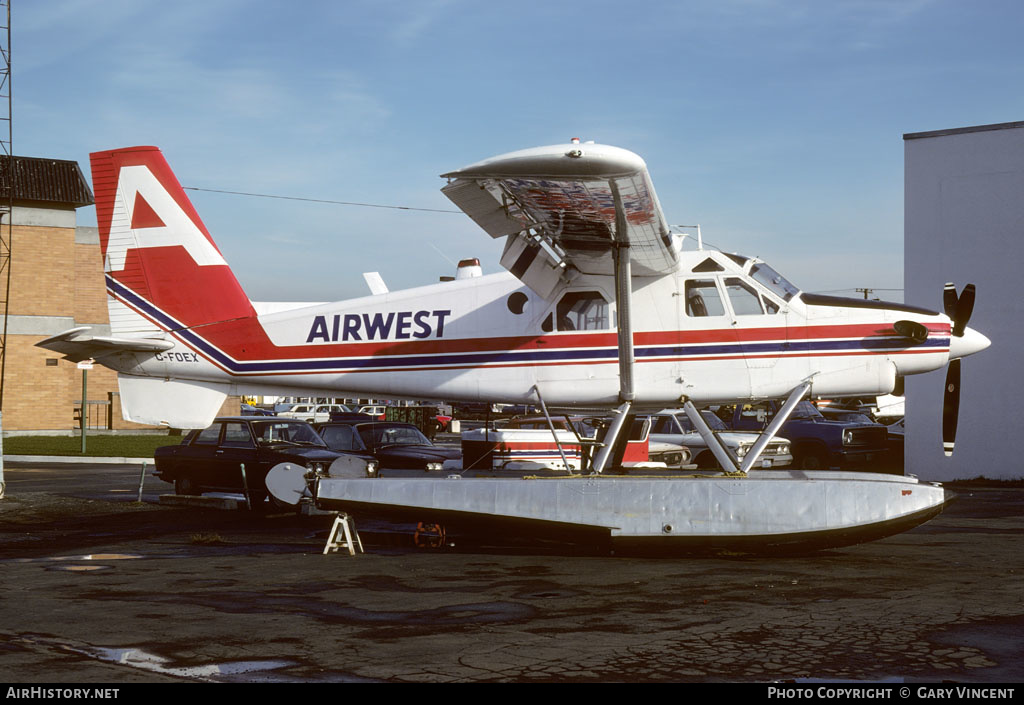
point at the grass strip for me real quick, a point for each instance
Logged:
(127, 446)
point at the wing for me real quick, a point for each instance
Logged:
(563, 208)
(77, 345)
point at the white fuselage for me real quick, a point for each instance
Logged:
(491, 338)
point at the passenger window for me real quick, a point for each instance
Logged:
(208, 436)
(582, 310)
(236, 435)
(702, 298)
(744, 300)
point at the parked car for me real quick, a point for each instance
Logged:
(210, 459)
(674, 426)
(314, 413)
(894, 459)
(250, 410)
(394, 445)
(818, 442)
(850, 416)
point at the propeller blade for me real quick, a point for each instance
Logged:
(951, 407)
(949, 299)
(964, 309)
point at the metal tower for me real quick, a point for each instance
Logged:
(6, 202)
(6, 184)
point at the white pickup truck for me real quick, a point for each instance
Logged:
(674, 426)
(314, 413)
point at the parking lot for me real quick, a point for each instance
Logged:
(100, 588)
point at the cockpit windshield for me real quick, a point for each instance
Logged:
(773, 281)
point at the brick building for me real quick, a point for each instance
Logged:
(56, 283)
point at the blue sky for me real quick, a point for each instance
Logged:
(775, 125)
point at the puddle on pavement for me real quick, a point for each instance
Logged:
(136, 658)
(227, 672)
(86, 557)
(70, 563)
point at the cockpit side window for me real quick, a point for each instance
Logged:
(582, 310)
(703, 299)
(744, 300)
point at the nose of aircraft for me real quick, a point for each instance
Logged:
(967, 344)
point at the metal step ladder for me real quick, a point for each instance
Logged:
(343, 534)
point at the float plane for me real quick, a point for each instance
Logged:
(600, 306)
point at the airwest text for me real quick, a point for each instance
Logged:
(377, 326)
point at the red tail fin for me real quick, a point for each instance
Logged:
(154, 243)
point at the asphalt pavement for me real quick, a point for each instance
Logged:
(98, 587)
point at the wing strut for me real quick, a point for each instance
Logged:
(623, 305)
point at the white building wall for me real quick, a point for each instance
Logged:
(964, 222)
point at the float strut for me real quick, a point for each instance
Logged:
(551, 425)
(721, 453)
(773, 428)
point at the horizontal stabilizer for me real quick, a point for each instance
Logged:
(160, 402)
(376, 283)
(78, 344)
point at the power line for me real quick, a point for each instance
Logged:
(850, 288)
(320, 200)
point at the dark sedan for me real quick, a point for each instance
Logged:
(211, 459)
(394, 445)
